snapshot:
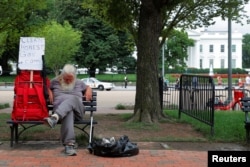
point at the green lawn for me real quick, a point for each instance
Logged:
(228, 125)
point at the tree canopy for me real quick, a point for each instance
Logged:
(61, 43)
(246, 51)
(147, 20)
(101, 44)
(176, 49)
(18, 18)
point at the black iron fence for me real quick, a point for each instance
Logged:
(198, 97)
(170, 98)
(194, 96)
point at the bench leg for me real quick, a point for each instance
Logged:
(247, 127)
(16, 132)
(11, 135)
(92, 134)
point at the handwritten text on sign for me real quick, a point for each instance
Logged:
(30, 53)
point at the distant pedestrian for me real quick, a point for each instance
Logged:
(240, 83)
(219, 80)
(177, 83)
(195, 82)
(125, 81)
(247, 81)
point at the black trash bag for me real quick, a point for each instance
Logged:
(112, 148)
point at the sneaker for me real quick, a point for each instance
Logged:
(50, 121)
(75, 145)
(69, 150)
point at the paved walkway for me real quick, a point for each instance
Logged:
(53, 156)
(146, 158)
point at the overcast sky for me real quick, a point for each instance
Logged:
(223, 25)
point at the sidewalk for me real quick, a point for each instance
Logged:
(146, 158)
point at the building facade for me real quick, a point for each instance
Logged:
(211, 49)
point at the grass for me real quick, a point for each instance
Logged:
(124, 107)
(228, 125)
(102, 77)
(5, 105)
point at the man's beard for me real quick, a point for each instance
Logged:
(66, 86)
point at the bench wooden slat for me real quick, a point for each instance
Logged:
(88, 103)
(88, 108)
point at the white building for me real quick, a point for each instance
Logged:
(211, 49)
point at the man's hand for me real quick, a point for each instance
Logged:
(88, 93)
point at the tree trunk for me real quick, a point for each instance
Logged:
(147, 102)
(92, 72)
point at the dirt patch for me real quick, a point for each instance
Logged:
(171, 135)
(113, 125)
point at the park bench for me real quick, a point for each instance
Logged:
(246, 108)
(18, 127)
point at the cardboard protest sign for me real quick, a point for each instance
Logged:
(30, 53)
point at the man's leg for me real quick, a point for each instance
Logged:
(67, 129)
(69, 105)
(68, 111)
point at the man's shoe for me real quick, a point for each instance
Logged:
(50, 121)
(69, 150)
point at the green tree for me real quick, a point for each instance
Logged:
(61, 43)
(147, 20)
(176, 49)
(18, 18)
(246, 51)
(101, 44)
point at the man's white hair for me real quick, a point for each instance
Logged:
(69, 69)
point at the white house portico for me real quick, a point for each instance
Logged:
(211, 49)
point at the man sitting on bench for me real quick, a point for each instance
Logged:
(67, 105)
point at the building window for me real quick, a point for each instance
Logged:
(233, 48)
(222, 48)
(233, 63)
(211, 48)
(201, 49)
(201, 64)
(211, 62)
(222, 63)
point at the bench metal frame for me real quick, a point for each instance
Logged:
(246, 108)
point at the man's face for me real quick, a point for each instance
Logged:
(68, 78)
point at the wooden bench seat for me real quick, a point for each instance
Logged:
(18, 127)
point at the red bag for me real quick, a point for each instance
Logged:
(29, 101)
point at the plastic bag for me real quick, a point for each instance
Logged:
(112, 148)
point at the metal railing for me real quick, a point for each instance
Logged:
(199, 98)
(194, 97)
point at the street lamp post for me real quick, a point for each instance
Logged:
(163, 62)
(229, 53)
(163, 59)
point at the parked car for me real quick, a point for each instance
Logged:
(96, 84)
